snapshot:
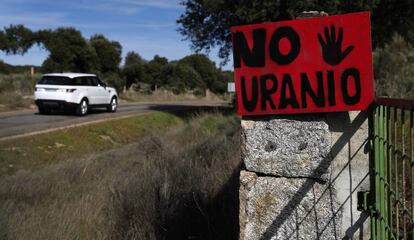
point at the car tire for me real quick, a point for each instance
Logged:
(113, 105)
(82, 108)
(44, 110)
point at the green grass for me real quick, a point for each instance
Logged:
(33, 152)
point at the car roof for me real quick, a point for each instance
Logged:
(69, 75)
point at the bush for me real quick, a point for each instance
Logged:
(16, 90)
(12, 100)
(115, 80)
(394, 69)
(20, 83)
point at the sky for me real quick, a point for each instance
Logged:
(144, 26)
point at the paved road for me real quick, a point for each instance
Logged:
(27, 122)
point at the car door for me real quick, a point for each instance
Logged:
(82, 84)
(105, 94)
(94, 91)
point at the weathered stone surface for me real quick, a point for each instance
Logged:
(247, 181)
(350, 169)
(287, 147)
(284, 208)
(348, 165)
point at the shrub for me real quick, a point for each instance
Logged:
(394, 69)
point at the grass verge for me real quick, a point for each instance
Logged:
(35, 151)
(178, 184)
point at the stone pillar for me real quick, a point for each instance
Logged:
(302, 176)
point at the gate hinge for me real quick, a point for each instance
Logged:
(363, 201)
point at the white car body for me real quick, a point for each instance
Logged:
(60, 90)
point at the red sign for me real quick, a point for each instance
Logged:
(312, 65)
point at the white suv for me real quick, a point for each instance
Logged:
(78, 91)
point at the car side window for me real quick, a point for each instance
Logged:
(100, 82)
(86, 81)
(77, 81)
(95, 81)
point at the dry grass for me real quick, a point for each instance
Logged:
(16, 91)
(167, 96)
(178, 185)
(14, 100)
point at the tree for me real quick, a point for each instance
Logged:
(113, 79)
(16, 39)
(133, 58)
(108, 53)
(183, 78)
(390, 17)
(133, 68)
(156, 71)
(69, 51)
(206, 23)
(207, 70)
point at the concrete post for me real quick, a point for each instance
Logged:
(302, 176)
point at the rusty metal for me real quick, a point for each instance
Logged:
(392, 208)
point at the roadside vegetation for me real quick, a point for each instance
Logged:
(394, 69)
(34, 152)
(176, 182)
(16, 90)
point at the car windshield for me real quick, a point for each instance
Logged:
(54, 80)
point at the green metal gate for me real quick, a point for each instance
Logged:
(392, 203)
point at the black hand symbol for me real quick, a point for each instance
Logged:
(332, 49)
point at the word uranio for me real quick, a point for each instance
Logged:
(282, 89)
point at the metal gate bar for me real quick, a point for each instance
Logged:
(392, 205)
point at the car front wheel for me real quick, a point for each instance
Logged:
(82, 108)
(113, 105)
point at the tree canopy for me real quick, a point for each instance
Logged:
(16, 39)
(108, 53)
(207, 70)
(133, 68)
(206, 23)
(194, 73)
(70, 51)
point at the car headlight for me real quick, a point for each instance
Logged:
(39, 89)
